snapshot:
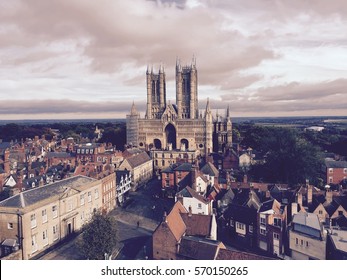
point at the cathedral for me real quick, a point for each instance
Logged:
(178, 126)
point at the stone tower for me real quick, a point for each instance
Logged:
(156, 93)
(177, 126)
(187, 91)
(132, 123)
(223, 132)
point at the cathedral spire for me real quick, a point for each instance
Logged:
(208, 108)
(228, 112)
(161, 68)
(133, 109)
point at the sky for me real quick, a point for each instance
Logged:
(63, 59)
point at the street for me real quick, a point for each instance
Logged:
(135, 223)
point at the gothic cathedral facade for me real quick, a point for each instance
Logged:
(177, 126)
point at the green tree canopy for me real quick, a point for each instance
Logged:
(289, 157)
(98, 237)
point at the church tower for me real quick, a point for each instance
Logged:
(187, 90)
(132, 124)
(223, 132)
(156, 93)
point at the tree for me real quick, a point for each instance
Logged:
(99, 237)
(289, 158)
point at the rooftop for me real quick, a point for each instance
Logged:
(36, 195)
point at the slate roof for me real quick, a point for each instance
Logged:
(184, 167)
(209, 169)
(267, 205)
(339, 239)
(195, 248)
(28, 183)
(38, 164)
(340, 221)
(307, 219)
(189, 192)
(241, 214)
(5, 145)
(185, 182)
(36, 195)
(138, 159)
(335, 164)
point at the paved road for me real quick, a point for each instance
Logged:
(146, 208)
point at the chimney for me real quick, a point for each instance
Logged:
(7, 161)
(180, 198)
(20, 182)
(294, 208)
(267, 194)
(165, 217)
(245, 178)
(309, 194)
(299, 198)
(328, 196)
(190, 213)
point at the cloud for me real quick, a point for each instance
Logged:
(260, 56)
(30, 107)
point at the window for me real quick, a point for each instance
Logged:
(240, 226)
(33, 220)
(10, 225)
(263, 221)
(44, 216)
(250, 229)
(320, 212)
(96, 193)
(340, 213)
(276, 236)
(199, 206)
(82, 199)
(55, 232)
(331, 170)
(44, 238)
(306, 243)
(296, 241)
(55, 211)
(345, 170)
(301, 242)
(263, 231)
(33, 244)
(89, 196)
(277, 222)
(330, 179)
